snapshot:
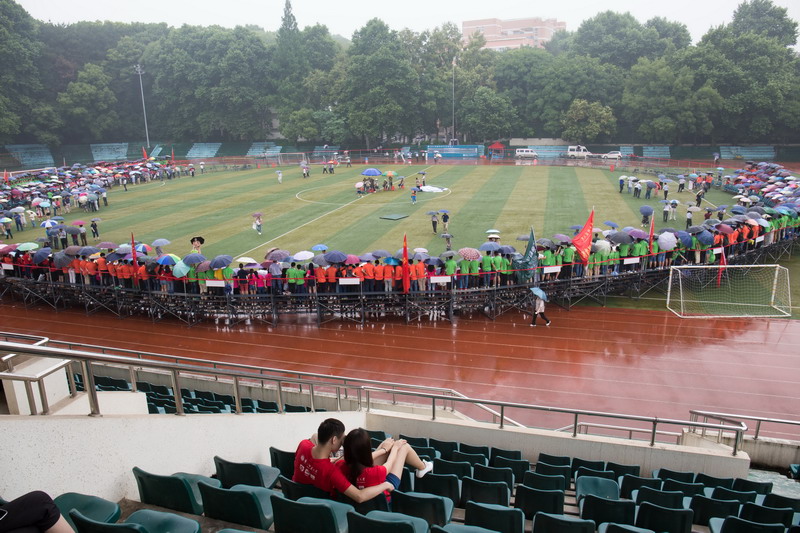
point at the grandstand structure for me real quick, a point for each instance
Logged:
(656, 152)
(109, 151)
(203, 150)
(753, 153)
(31, 155)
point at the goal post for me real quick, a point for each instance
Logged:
(702, 291)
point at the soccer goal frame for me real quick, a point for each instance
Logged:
(729, 291)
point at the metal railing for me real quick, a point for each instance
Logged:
(737, 427)
(696, 414)
(7, 360)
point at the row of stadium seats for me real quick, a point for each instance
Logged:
(31, 155)
(660, 152)
(756, 153)
(203, 150)
(109, 151)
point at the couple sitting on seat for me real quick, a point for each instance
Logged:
(363, 473)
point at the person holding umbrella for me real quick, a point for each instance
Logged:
(434, 221)
(539, 297)
(257, 224)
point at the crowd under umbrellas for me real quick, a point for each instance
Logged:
(767, 201)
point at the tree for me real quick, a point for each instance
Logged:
(289, 63)
(586, 122)
(332, 126)
(299, 124)
(88, 104)
(616, 38)
(674, 34)
(765, 18)
(487, 115)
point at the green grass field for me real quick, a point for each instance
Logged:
(325, 209)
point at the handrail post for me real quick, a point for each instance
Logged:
(502, 415)
(358, 394)
(575, 426)
(433, 408)
(91, 390)
(653, 433)
(339, 397)
(311, 394)
(758, 429)
(367, 399)
(737, 441)
(237, 397)
(176, 393)
(31, 398)
(280, 398)
(73, 390)
(43, 396)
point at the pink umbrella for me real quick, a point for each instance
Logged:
(79, 223)
(352, 260)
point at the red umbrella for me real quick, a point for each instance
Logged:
(79, 223)
(352, 260)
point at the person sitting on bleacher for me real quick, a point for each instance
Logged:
(33, 510)
(314, 465)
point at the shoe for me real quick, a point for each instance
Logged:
(547, 324)
(533, 325)
(428, 468)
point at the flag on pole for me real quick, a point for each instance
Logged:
(652, 232)
(133, 259)
(405, 266)
(583, 240)
(173, 155)
(5, 176)
(722, 262)
(144, 153)
(526, 268)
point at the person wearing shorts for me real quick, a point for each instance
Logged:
(32, 510)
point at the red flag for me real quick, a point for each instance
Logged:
(652, 231)
(405, 266)
(144, 153)
(583, 240)
(5, 176)
(722, 262)
(133, 258)
(173, 155)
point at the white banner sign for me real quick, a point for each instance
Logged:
(631, 260)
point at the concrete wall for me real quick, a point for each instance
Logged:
(60, 454)
(716, 462)
(767, 452)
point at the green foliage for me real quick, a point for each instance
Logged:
(299, 124)
(586, 122)
(487, 115)
(88, 104)
(764, 18)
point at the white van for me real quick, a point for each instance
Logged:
(526, 153)
(578, 152)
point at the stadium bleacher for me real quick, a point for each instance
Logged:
(109, 151)
(257, 149)
(754, 153)
(156, 151)
(658, 152)
(458, 151)
(549, 151)
(31, 155)
(626, 151)
(203, 150)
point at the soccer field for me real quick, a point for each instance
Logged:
(300, 213)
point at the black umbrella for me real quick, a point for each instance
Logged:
(335, 256)
(61, 260)
(695, 230)
(620, 237)
(41, 255)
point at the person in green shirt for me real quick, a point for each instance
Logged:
(474, 270)
(291, 277)
(486, 268)
(300, 279)
(602, 260)
(613, 260)
(497, 266)
(568, 257)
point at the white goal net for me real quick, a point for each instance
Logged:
(729, 291)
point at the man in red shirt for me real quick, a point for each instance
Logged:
(313, 465)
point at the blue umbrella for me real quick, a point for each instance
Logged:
(221, 261)
(507, 249)
(372, 172)
(608, 223)
(416, 189)
(444, 210)
(685, 238)
(489, 247)
(367, 257)
(391, 261)
(335, 256)
(380, 253)
(40, 255)
(738, 210)
(193, 258)
(539, 293)
(646, 210)
(705, 237)
(319, 248)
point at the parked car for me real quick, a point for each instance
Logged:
(526, 153)
(613, 155)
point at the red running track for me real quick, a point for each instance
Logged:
(626, 361)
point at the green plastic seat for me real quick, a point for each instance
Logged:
(282, 460)
(422, 442)
(494, 453)
(490, 473)
(554, 523)
(621, 528)
(495, 492)
(294, 490)
(621, 469)
(671, 499)
(603, 510)
(435, 510)
(377, 434)
(242, 504)
(721, 493)
(554, 470)
(91, 507)
(687, 489)
(535, 480)
(531, 501)
(517, 466)
(310, 514)
(734, 524)
(473, 459)
(254, 474)
(385, 522)
(747, 485)
(665, 473)
(664, 519)
(426, 452)
(495, 517)
(711, 481)
(479, 450)
(555, 460)
(631, 483)
(460, 528)
(459, 468)
(585, 471)
(794, 471)
(777, 500)
(598, 486)
(444, 447)
(172, 492)
(706, 508)
(767, 515)
(577, 462)
(194, 481)
(143, 521)
(378, 503)
(447, 485)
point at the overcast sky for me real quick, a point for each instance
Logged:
(344, 16)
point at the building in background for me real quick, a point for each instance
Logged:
(514, 33)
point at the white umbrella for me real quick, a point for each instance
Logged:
(303, 256)
(667, 240)
(492, 231)
(421, 250)
(603, 245)
(246, 260)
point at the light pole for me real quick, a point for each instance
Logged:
(454, 102)
(139, 70)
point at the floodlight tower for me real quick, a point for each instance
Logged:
(139, 70)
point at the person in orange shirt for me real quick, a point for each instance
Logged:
(358, 271)
(322, 285)
(398, 277)
(102, 269)
(91, 272)
(144, 277)
(112, 273)
(378, 284)
(124, 274)
(422, 279)
(331, 274)
(369, 276)
(84, 269)
(388, 275)
(74, 270)
(412, 271)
